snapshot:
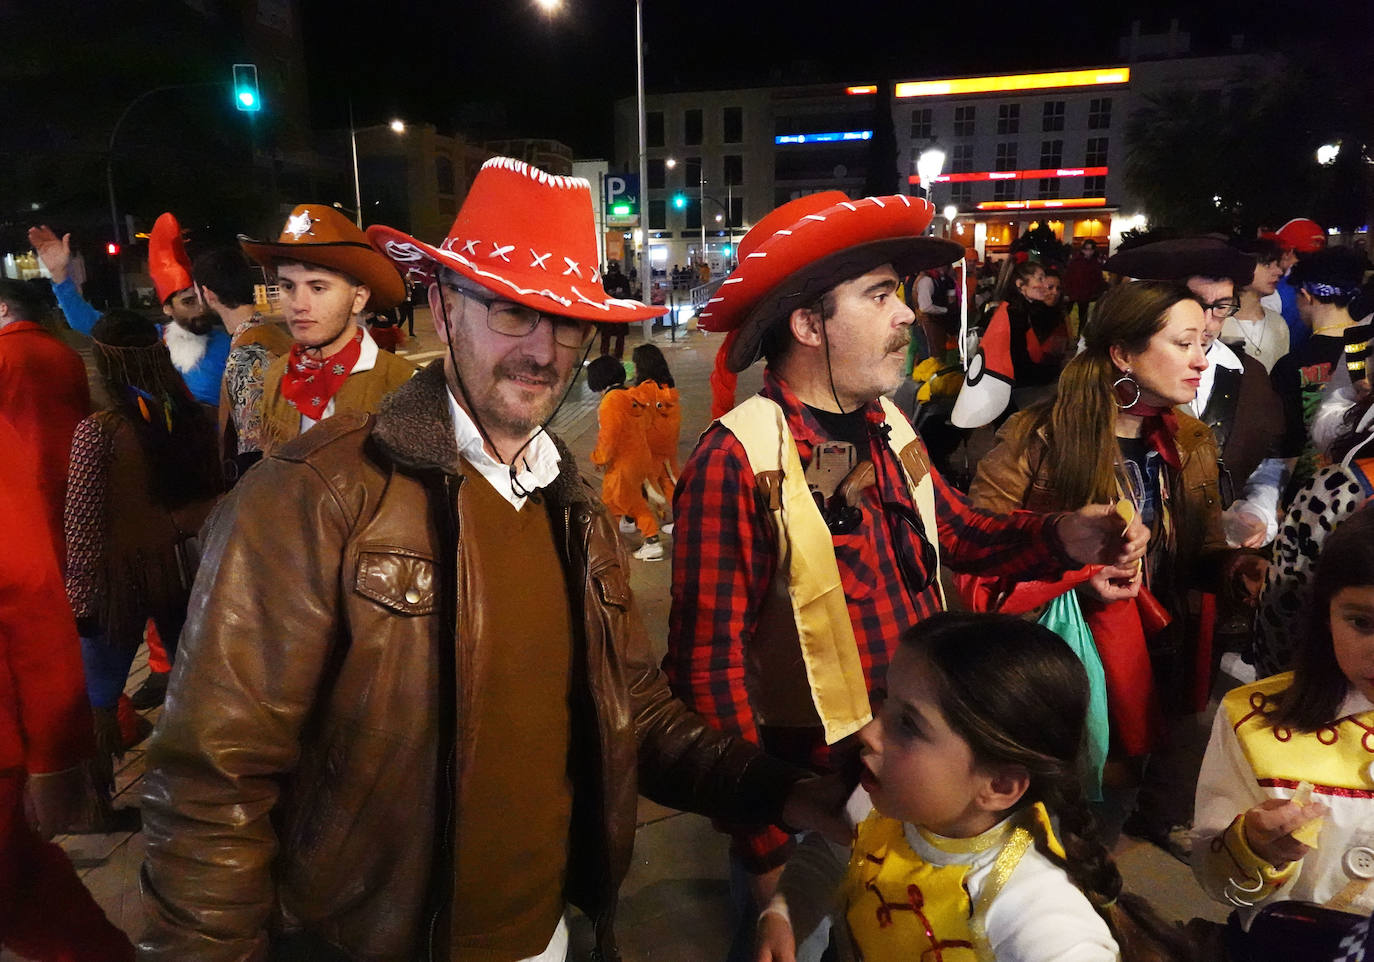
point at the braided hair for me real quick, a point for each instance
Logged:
(1018, 695)
(175, 432)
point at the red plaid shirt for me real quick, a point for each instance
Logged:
(725, 554)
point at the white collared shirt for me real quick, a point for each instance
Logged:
(1218, 355)
(367, 360)
(539, 462)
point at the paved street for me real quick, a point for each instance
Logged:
(674, 905)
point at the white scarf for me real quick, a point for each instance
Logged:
(186, 347)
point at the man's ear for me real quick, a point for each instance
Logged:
(807, 327)
(436, 310)
(360, 298)
(1002, 788)
(167, 309)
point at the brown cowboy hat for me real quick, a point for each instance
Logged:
(319, 234)
(1182, 258)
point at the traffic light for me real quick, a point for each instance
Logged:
(246, 97)
(680, 201)
(112, 249)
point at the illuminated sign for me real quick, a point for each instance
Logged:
(823, 138)
(1021, 81)
(984, 175)
(862, 89)
(1042, 204)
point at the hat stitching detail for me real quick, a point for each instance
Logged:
(469, 247)
(757, 254)
(878, 201)
(539, 259)
(904, 199)
(561, 181)
(849, 205)
(784, 232)
(811, 217)
(499, 250)
(573, 267)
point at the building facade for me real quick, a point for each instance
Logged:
(1020, 149)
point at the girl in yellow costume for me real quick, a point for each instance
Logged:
(1285, 798)
(954, 858)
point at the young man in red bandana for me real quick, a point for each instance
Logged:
(329, 274)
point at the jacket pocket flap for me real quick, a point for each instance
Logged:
(612, 586)
(401, 582)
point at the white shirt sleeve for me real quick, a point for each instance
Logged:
(1041, 916)
(925, 290)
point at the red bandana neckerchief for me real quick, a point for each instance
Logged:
(311, 381)
(1158, 429)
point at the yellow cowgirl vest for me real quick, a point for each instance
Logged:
(901, 908)
(1336, 756)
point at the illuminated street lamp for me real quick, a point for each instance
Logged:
(928, 166)
(1327, 154)
(397, 126)
(549, 6)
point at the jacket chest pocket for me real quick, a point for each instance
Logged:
(396, 579)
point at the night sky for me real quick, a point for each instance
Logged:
(559, 75)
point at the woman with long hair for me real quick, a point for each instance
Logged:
(144, 476)
(1113, 434)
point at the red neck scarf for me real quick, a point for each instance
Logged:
(1158, 429)
(311, 380)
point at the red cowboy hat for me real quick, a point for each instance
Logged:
(167, 259)
(319, 234)
(1302, 235)
(807, 246)
(527, 236)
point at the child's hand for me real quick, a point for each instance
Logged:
(775, 940)
(1270, 824)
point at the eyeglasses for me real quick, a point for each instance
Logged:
(1222, 309)
(517, 320)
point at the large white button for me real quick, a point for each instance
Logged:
(1359, 862)
(413, 597)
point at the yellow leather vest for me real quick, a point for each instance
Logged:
(804, 643)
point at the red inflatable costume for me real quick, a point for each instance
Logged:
(622, 451)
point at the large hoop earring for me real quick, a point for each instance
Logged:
(1117, 391)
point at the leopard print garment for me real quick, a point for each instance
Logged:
(1285, 616)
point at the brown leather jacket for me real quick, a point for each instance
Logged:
(302, 779)
(1015, 475)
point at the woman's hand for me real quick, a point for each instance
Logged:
(1113, 583)
(775, 940)
(1270, 824)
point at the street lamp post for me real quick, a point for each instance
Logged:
(645, 268)
(109, 167)
(397, 126)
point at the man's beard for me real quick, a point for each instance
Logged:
(522, 421)
(186, 347)
(200, 324)
(899, 341)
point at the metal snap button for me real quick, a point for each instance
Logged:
(413, 598)
(1359, 862)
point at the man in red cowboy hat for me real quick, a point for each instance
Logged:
(198, 346)
(328, 274)
(433, 736)
(822, 470)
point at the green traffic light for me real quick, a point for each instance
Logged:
(247, 99)
(680, 201)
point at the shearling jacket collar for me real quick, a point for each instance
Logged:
(414, 429)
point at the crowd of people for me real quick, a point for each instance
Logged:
(408, 700)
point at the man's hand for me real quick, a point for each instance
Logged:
(818, 804)
(1113, 583)
(1094, 535)
(55, 254)
(1243, 579)
(775, 940)
(55, 802)
(1270, 824)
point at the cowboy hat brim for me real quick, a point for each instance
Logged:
(1180, 259)
(360, 261)
(567, 294)
(907, 255)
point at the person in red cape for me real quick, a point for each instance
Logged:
(329, 274)
(45, 735)
(43, 393)
(1114, 433)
